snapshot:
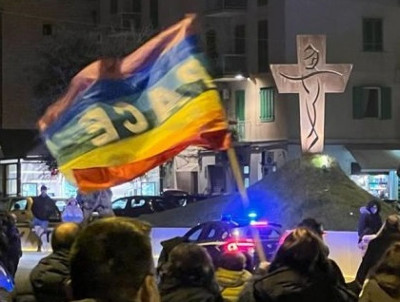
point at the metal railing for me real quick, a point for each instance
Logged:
(215, 5)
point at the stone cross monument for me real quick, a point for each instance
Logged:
(311, 78)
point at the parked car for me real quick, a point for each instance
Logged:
(22, 208)
(181, 198)
(222, 236)
(134, 206)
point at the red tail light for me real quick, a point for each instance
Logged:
(241, 245)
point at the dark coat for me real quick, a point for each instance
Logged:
(286, 285)
(172, 290)
(375, 290)
(376, 248)
(368, 223)
(14, 251)
(43, 207)
(168, 246)
(48, 277)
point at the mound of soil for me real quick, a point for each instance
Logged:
(312, 186)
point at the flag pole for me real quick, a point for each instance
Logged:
(245, 199)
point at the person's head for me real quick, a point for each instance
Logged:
(43, 190)
(312, 225)
(111, 260)
(391, 225)
(301, 250)
(233, 261)
(388, 269)
(64, 236)
(374, 207)
(72, 202)
(190, 264)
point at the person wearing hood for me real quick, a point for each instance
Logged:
(370, 220)
(72, 212)
(389, 234)
(231, 275)
(383, 283)
(301, 272)
(189, 276)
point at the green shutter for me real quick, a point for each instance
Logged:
(386, 103)
(267, 110)
(239, 99)
(357, 102)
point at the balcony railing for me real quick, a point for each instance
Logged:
(225, 7)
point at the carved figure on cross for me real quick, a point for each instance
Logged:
(311, 78)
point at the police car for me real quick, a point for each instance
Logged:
(228, 235)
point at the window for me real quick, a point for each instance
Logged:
(240, 39)
(11, 179)
(119, 204)
(263, 46)
(211, 233)
(372, 34)
(239, 99)
(195, 234)
(113, 7)
(372, 102)
(211, 44)
(19, 205)
(267, 113)
(29, 189)
(136, 203)
(136, 6)
(47, 29)
(154, 13)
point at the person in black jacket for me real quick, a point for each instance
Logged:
(188, 276)
(318, 229)
(370, 220)
(299, 272)
(48, 277)
(389, 234)
(42, 208)
(11, 249)
(383, 283)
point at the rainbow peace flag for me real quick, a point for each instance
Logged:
(121, 118)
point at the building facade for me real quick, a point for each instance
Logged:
(241, 39)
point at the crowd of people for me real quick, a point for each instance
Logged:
(111, 259)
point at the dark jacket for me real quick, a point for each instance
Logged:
(14, 251)
(376, 248)
(172, 290)
(43, 207)
(168, 245)
(368, 223)
(378, 290)
(48, 277)
(286, 285)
